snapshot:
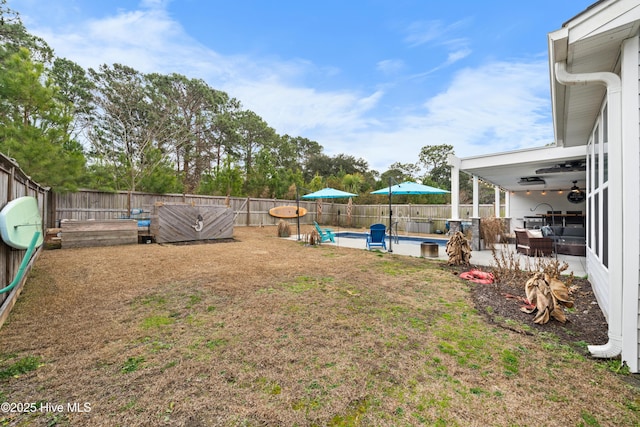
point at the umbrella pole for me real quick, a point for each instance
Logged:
(390, 219)
(338, 237)
(298, 211)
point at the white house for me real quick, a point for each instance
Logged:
(594, 61)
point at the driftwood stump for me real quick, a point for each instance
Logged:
(458, 249)
(314, 238)
(548, 296)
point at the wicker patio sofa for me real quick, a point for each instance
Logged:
(532, 243)
(567, 240)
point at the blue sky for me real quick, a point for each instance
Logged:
(372, 79)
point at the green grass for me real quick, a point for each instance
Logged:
(589, 420)
(215, 343)
(307, 283)
(420, 321)
(352, 415)
(157, 322)
(380, 341)
(132, 364)
(21, 366)
(510, 362)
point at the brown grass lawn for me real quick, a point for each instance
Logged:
(265, 331)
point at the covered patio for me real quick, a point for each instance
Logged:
(593, 67)
(538, 187)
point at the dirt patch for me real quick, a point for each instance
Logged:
(265, 331)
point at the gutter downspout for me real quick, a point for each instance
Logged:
(613, 84)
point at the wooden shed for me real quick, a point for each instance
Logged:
(178, 222)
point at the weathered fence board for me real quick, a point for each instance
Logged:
(83, 234)
(185, 223)
(89, 204)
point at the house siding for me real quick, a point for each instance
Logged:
(637, 91)
(620, 266)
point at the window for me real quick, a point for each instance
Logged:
(596, 159)
(605, 228)
(605, 144)
(598, 189)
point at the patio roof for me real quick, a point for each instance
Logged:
(506, 169)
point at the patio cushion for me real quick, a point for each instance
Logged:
(534, 233)
(573, 232)
(547, 231)
(557, 230)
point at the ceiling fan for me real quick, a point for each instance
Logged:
(575, 188)
(576, 195)
(572, 166)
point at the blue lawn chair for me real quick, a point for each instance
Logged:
(325, 233)
(376, 236)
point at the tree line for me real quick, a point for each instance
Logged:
(114, 128)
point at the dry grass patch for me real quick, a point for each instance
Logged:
(265, 331)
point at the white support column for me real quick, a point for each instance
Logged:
(507, 204)
(630, 204)
(476, 198)
(476, 225)
(616, 200)
(496, 190)
(454, 162)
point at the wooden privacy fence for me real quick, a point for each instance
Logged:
(15, 183)
(89, 204)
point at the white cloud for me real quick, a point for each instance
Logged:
(422, 32)
(300, 111)
(390, 66)
(150, 41)
(457, 55)
(499, 106)
(147, 40)
(434, 32)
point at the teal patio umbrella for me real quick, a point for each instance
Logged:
(325, 193)
(407, 187)
(328, 193)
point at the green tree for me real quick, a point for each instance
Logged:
(434, 159)
(162, 178)
(35, 122)
(353, 182)
(251, 136)
(128, 136)
(294, 152)
(191, 109)
(74, 92)
(226, 180)
(14, 37)
(337, 166)
(401, 172)
(317, 183)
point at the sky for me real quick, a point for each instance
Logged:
(374, 79)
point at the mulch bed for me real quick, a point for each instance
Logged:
(502, 300)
